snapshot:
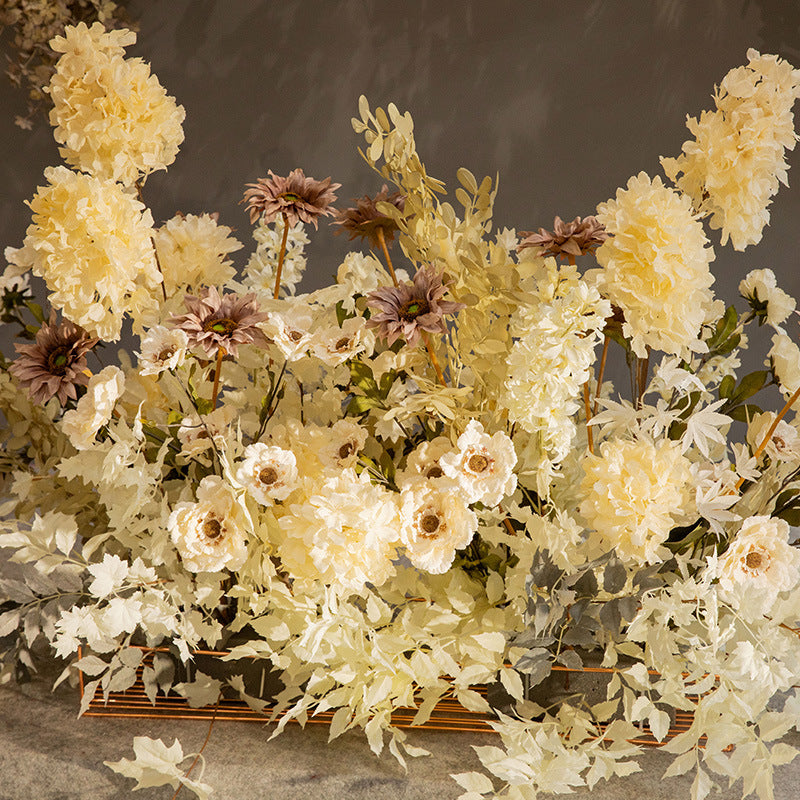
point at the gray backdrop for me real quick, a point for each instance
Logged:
(565, 100)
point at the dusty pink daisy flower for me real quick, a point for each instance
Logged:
(574, 238)
(412, 307)
(299, 198)
(225, 321)
(363, 220)
(55, 363)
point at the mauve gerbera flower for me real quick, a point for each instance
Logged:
(56, 363)
(412, 307)
(225, 321)
(364, 220)
(300, 198)
(574, 238)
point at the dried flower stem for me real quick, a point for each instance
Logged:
(139, 194)
(600, 373)
(221, 352)
(642, 371)
(435, 361)
(200, 751)
(760, 449)
(281, 256)
(382, 240)
(588, 408)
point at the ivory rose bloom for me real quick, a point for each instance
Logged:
(759, 565)
(208, 533)
(635, 492)
(94, 409)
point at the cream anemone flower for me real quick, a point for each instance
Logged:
(94, 409)
(759, 565)
(435, 523)
(208, 533)
(268, 473)
(482, 465)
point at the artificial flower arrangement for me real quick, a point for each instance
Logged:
(417, 479)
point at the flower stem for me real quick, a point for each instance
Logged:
(588, 408)
(382, 241)
(435, 361)
(760, 449)
(221, 353)
(281, 256)
(200, 752)
(600, 373)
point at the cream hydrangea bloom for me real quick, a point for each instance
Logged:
(736, 161)
(655, 266)
(268, 473)
(772, 304)
(435, 523)
(90, 241)
(259, 272)
(94, 409)
(192, 252)
(759, 565)
(343, 532)
(112, 116)
(634, 493)
(208, 533)
(482, 466)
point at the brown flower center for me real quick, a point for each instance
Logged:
(413, 309)
(346, 450)
(291, 197)
(58, 360)
(212, 529)
(223, 326)
(165, 354)
(429, 524)
(268, 476)
(295, 336)
(434, 472)
(754, 560)
(478, 463)
(342, 344)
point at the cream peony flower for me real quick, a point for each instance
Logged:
(784, 357)
(90, 241)
(94, 409)
(783, 445)
(162, 349)
(112, 116)
(482, 466)
(634, 493)
(655, 266)
(192, 252)
(435, 523)
(771, 304)
(737, 159)
(344, 532)
(268, 473)
(759, 565)
(208, 534)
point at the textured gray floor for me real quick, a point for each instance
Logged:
(48, 754)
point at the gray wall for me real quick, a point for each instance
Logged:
(565, 100)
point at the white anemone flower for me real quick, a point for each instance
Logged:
(341, 443)
(94, 409)
(268, 473)
(435, 523)
(162, 349)
(482, 466)
(208, 533)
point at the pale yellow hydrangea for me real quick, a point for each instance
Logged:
(736, 162)
(192, 252)
(90, 241)
(343, 532)
(655, 266)
(635, 492)
(113, 118)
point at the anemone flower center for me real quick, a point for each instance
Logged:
(268, 476)
(413, 309)
(434, 472)
(57, 360)
(223, 326)
(212, 529)
(478, 463)
(754, 559)
(342, 344)
(346, 450)
(430, 524)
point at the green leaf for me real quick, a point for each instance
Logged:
(743, 413)
(36, 310)
(361, 376)
(360, 405)
(726, 386)
(749, 385)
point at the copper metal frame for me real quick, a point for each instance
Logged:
(448, 715)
